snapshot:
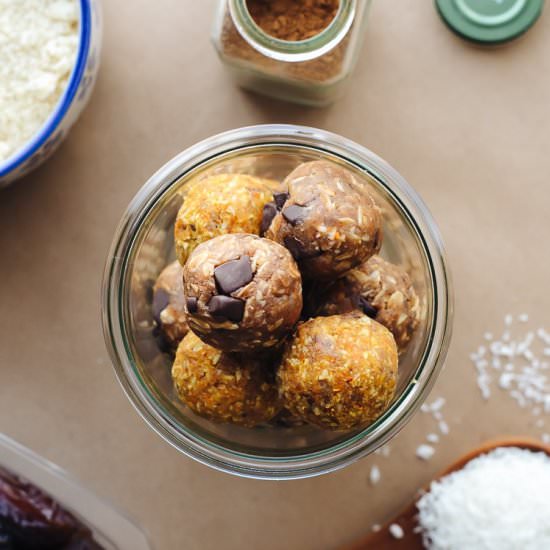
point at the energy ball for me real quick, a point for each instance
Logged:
(169, 304)
(381, 290)
(224, 203)
(339, 372)
(330, 222)
(224, 387)
(243, 293)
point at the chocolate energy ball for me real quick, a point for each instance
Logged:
(169, 304)
(224, 387)
(224, 203)
(381, 290)
(243, 293)
(330, 222)
(339, 372)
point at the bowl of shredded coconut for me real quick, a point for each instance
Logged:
(49, 57)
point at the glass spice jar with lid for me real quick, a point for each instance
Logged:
(297, 50)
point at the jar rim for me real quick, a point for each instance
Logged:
(344, 452)
(289, 51)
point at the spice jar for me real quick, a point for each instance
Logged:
(296, 50)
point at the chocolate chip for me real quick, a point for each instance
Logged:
(367, 307)
(225, 306)
(280, 199)
(161, 299)
(295, 214)
(233, 275)
(269, 212)
(298, 249)
(295, 247)
(192, 304)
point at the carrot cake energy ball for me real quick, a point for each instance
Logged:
(224, 387)
(169, 304)
(339, 372)
(219, 204)
(330, 223)
(381, 290)
(243, 293)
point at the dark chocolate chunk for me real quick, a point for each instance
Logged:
(280, 199)
(192, 304)
(233, 275)
(269, 212)
(295, 247)
(295, 214)
(367, 307)
(298, 249)
(161, 299)
(226, 306)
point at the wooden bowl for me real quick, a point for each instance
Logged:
(384, 540)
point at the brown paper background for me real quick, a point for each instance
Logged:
(468, 127)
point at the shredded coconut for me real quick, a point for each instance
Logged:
(517, 363)
(38, 44)
(383, 451)
(425, 452)
(396, 531)
(498, 501)
(432, 438)
(375, 475)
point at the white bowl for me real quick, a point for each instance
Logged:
(71, 103)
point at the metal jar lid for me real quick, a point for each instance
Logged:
(489, 21)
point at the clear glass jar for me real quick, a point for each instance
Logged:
(310, 72)
(144, 244)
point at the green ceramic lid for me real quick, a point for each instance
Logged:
(489, 21)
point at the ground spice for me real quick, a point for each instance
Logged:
(321, 69)
(293, 20)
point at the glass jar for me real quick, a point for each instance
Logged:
(144, 244)
(310, 71)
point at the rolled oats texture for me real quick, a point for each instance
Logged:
(219, 204)
(225, 388)
(38, 44)
(271, 296)
(339, 372)
(169, 304)
(330, 222)
(387, 289)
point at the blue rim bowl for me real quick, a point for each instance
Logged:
(63, 105)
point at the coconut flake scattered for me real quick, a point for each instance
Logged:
(432, 438)
(396, 531)
(383, 451)
(425, 452)
(375, 476)
(443, 427)
(497, 501)
(516, 362)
